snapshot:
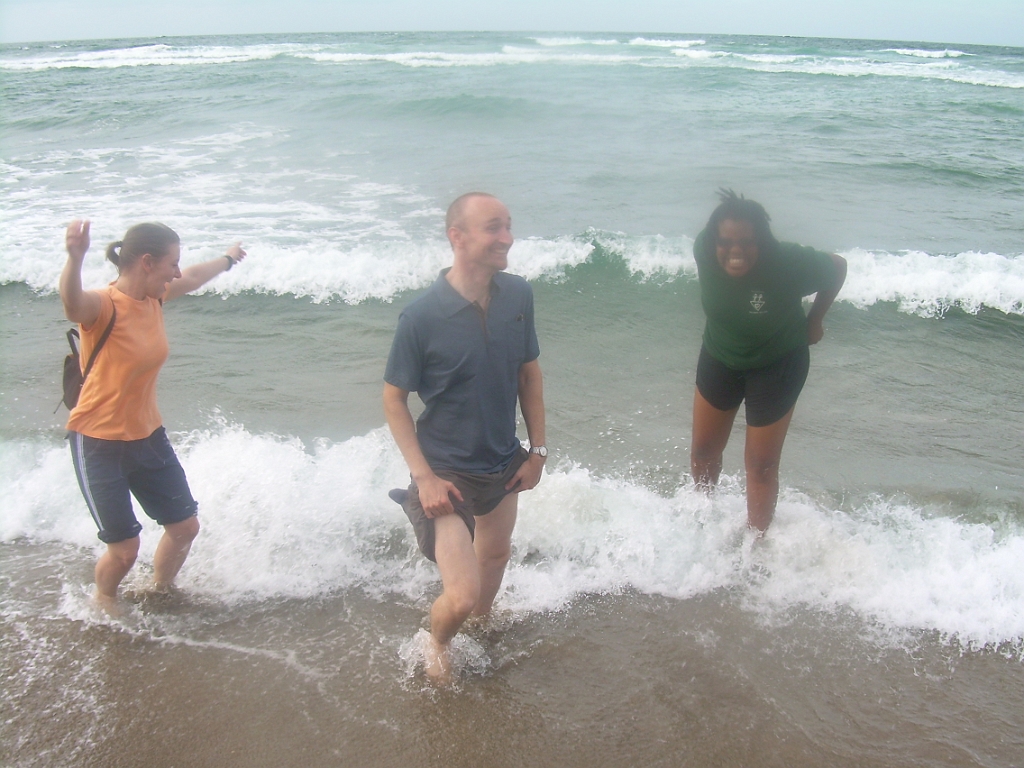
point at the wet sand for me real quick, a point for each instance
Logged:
(609, 681)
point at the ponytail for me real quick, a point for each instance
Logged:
(112, 255)
(154, 239)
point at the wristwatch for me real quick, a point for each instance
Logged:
(540, 450)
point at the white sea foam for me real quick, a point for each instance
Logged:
(930, 285)
(666, 43)
(781, 59)
(468, 657)
(927, 54)
(353, 253)
(850, 66)
(382, 270)
(355, 239)
(167, 55)
(651, 256)
(559, 42)
(324, 270)
(951, 65)
(697, 54)
(509, 54)
(282, 519)
(159, 54)
(933, 68)
(362, 240)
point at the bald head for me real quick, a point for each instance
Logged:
(456, 216)
(480, 232)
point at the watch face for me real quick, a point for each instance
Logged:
(540, 450)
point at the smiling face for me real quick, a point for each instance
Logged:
(482, 236)
(736, 247)
(160, 271)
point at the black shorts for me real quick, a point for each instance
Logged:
(480, 495)
(110, 472)
(770, 391)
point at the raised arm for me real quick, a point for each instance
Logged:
(822, 302)
(531, 402)
(196, 276)
(80, 306)
(433, 489)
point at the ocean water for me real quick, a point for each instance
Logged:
(880, 622)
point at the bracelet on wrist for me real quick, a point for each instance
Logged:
(231, 262)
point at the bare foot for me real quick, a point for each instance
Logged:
(163, 588)
(485, 624)
(160, 596)
(437, 662)
(110, 606)
(476, 622)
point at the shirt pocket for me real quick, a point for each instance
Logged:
(512, 338)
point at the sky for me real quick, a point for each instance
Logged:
(987, 22)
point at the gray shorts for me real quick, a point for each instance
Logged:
(110, 472)
(480, 495)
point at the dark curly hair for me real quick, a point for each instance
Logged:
(739, 208)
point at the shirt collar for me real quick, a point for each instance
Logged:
(453, 302)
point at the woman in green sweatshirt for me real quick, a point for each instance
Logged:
(755, 344)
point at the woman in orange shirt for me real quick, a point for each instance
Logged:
(118, 444)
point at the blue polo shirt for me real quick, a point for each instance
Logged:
(464, 365)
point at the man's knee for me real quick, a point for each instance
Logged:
(462, 598)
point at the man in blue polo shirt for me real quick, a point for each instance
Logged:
(468, 347)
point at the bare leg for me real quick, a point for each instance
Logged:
(762, 454)
(711, 428)
(172, 550)
(460, 581)
(493, 545)
(111, 569)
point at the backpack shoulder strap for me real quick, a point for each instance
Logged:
(100, 343)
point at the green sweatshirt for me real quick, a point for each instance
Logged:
(754, 320)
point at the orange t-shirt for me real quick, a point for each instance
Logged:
(118, 400)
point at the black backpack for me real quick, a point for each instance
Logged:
(73, 376)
